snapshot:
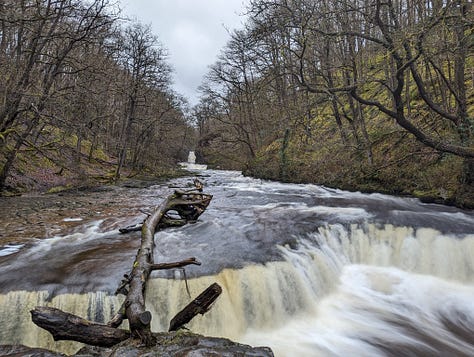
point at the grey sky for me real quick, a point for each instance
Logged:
(193, 31)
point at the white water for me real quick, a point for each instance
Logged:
(191, 163)
(191, 157)
(338, 293)
(373, 305)
(17, 327)
(10, 249)
(358, 287)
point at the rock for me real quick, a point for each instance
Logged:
(168, 344)
(178, 344)
(24, 351)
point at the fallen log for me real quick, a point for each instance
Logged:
(183, 263)
(165, 222)
(131, 228)
(65, 326)
(189, 206)
(187, 209)
(199, 305)
(178, 209)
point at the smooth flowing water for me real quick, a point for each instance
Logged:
(306, 270)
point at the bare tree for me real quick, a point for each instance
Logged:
(143, 61)
(39, 44)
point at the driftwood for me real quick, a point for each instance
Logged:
(65, 326)
(199, 305)
(187, 212)
(189, 206)
(178, 209)
(131, 228)
(180, 264)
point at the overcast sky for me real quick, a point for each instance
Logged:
(193, 32)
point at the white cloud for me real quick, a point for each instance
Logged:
(193, 31)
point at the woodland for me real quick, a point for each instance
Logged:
(367, 95)
(84, 94)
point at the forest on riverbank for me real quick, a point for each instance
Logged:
(368, 95)
(85, 97)
(364, 95)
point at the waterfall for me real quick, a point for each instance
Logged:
(17, 327)
(191, 163)
(191, 157)
(362, 290)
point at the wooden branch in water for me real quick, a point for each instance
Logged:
(138, 317)
(180, 264)
(192, 205)
(65, 326)
(199, 305)
(118, 318)
(131, 228)
(188, 206)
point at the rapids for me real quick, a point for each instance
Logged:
(305, 270)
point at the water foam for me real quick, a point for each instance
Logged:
(344, 290)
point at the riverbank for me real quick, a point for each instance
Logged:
(46, 211)
(44, 180)
(430, 179)
(462, 197)
(63, 168)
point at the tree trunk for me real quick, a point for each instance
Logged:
(199, 305)
(11, 156)
(189, 205)
(65, 326)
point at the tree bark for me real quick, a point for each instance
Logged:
(65, 326)
(180, 264)
(189, 206)
(199, 305)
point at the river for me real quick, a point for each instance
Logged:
(305, 270)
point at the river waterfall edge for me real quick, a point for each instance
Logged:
(305, 270)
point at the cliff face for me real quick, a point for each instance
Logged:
(168, 345)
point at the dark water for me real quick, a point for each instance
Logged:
(305, 269)
(70, 242)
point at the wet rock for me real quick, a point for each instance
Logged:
(172, 344)
(24, 351)
(178, 344)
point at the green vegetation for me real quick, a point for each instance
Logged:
(364, 95)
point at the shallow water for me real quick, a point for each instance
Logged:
(308, 270)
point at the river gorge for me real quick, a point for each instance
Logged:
(305, 270)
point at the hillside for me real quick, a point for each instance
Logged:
(373, 97)
(57, 165)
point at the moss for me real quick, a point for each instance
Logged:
(57, 189)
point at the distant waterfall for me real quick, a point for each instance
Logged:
(191, 163)
(191, 157)
(339, 291)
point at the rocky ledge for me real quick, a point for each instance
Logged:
(173, 344)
